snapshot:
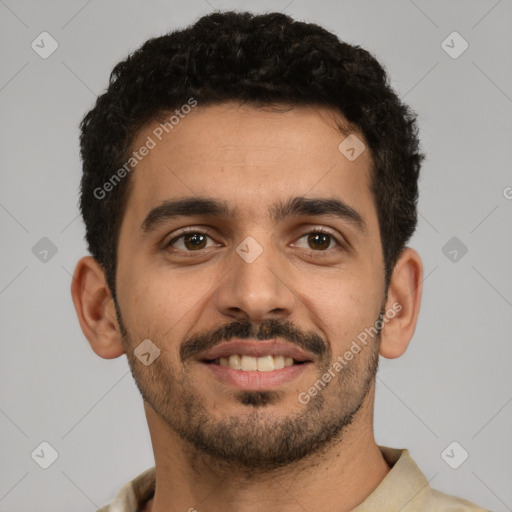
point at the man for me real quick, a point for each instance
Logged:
(249, 185)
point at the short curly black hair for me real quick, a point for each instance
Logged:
(260, 60)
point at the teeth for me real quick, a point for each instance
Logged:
(266, 364)
(279, 362)
(235, 362)
(249, 363)
(261, 364)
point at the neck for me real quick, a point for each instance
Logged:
(335, 481)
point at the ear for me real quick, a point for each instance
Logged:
(95, 309)
(404, 298)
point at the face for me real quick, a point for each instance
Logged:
(291, 266)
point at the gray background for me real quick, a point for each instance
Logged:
(454, 382)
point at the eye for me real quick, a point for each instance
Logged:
(320, 239)
(191, 241)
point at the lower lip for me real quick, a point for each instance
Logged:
(255, 380)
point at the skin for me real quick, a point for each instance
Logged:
(251, 158)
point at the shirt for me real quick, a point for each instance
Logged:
(405, 488)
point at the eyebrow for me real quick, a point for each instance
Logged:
(194, 206)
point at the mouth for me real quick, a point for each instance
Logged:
(256, 365)
(246, 363)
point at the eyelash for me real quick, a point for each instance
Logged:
(208, 233)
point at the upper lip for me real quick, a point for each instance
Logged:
(255, 349)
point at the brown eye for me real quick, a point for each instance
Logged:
(319, 241)
(194, 241)
(190, 242)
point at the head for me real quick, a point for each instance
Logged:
(220, 202)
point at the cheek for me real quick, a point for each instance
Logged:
(343, 306)
(161, 304)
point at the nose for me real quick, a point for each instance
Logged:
(256, 289)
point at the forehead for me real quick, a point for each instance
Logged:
(249, 158)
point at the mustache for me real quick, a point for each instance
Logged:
(268, 329)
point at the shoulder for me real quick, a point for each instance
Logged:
(434, 500)
(134, 494)
(407, 489)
